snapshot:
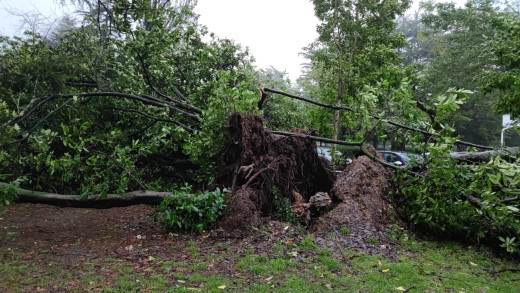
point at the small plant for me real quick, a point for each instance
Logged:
(184, 210)
(282, 207)
(307, 244)
(509, 244)
(345, 231)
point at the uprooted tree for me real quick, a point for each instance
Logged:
(135, 101)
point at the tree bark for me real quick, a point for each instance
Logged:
(479, 157)
(92, 201)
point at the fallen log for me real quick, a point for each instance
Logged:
(479, 157)
(90, 201)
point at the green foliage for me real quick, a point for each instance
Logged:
(463, 200)
(191, 211)
(506, 77)
(454, 52)
(8, 191)
(230, 94)
(108, 144)
(282, 207)
(280, 112)
(354, 63)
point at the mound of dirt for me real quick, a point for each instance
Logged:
(256, 161)
(363, 214)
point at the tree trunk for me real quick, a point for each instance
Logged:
(508, 154)
(93, 201)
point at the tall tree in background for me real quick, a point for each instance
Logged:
(461, 54)
(505, 77)
(419, 48)
(355, 51)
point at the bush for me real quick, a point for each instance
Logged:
(184, 210)
(474, 202)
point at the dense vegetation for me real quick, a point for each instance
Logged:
(137, 97)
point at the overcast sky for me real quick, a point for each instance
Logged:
(274, 30)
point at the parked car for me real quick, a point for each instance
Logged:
(400, 158)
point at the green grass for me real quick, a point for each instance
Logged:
(422, 266)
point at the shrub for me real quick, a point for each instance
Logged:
(475, 202)
(184, 210)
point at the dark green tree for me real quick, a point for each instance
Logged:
(505, 77)
(460, 56)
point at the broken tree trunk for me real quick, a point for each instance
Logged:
(93, 201)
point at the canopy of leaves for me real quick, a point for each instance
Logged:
(132, 99)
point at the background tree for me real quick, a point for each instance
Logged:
(281, 113)
(505, 77)
(354, 62)
(460, 58)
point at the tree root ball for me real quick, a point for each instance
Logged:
(259, 165)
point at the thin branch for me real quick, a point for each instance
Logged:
(183, 112)
(333, 107)
(264, 89)
(156, 118)
(180, 95)
(143, 129)
(507, 200)
(317, 138)
(51, 113)
(374, 158)
(148, 79)
(143, 186)
(41, 102)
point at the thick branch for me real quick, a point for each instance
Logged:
(507, 154)
(360, 145)
(317, 138)
(41, 102)
(426, 133)
(96, 200)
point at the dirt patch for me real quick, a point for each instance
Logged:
(363, 215)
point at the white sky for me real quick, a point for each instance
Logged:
(275, 31)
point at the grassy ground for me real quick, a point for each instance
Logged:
(422, 266)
